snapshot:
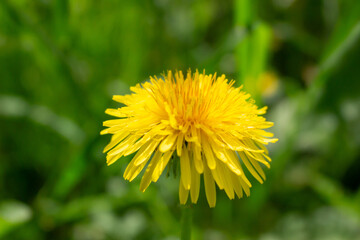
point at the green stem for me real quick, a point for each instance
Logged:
(186, 221)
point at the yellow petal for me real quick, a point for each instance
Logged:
(208, 153)
(245, 187)
(112, 130)
(257, 167)
(210, 189)
(146, 179)
(114, 122)
(258, 157)
(250, 167)
(132, 171)
(195, 185)
(110, 159)
(216, 174)
(135, 171)
(128, 141)
(225, 175)
(237, 185)
(185, 169)
(197, 158)
(147, 137)
(121, 99)
(161, 165)
(145, 152)
(221, 154)
(115, 139)
(179, 144)
(183, 193)
(115, 112)
(167, 143)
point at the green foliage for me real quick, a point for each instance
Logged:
(61, 61)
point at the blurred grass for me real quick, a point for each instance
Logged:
(60, 62)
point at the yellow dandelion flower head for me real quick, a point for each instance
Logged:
(213, 128)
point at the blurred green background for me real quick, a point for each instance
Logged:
(61, 61)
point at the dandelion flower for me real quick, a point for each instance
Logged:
(210, 128)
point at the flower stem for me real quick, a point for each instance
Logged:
(186, 221)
